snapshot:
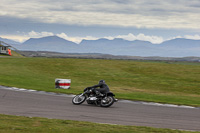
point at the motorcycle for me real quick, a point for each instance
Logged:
(104, 100)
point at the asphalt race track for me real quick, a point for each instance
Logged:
(41, 104)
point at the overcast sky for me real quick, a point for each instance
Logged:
(74, 20)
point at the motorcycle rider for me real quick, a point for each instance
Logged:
(103, 88)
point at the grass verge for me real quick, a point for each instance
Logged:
(20, 124)
(165, 82)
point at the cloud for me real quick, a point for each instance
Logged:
(194, 37)
(66, 37)
(78, 39)
(34, 34)
(16, 38)
(142, 37)
(130, 13)
(130, 37)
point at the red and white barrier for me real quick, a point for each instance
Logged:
(62, 83)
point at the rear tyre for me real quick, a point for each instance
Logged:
(78, 99)
(107, 101)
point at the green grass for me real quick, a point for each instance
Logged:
(165, 82)
(16, 54)
(4, 55)
(20, 124)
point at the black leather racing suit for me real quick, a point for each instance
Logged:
(103, 88)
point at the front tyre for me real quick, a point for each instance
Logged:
(107, 101)
(78, 99)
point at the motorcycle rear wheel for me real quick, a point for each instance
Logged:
(107, 101)
(78, 99)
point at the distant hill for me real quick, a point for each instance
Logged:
(181, 47)
(48, 40)
(50, 43)
(8, 41)
(116, 46)
(181, 43)
(172, 48)
(114, 42)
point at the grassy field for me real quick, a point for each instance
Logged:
(19, 124)
(164, 82)
(4, 55)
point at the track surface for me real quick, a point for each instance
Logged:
(49, 105)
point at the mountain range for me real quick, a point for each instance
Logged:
(178, 47)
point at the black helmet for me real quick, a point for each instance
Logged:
(102, 82)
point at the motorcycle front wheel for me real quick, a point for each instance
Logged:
(107, 101)
(78, 99)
